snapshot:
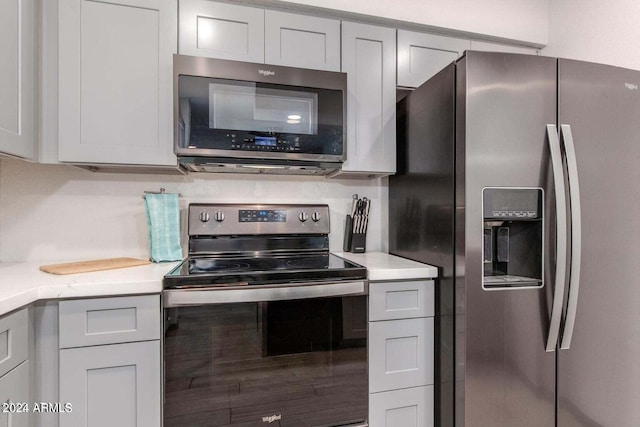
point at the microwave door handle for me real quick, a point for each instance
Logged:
(561, 237)
(576, 236)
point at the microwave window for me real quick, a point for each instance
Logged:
(246, 107)
(219, 115)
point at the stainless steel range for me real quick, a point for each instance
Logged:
(263, 324)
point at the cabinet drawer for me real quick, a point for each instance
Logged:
(412, 407)
(401, 300)
(14, 340)
(109, 320)
(400, 354)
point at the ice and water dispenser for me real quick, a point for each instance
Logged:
(513, 238)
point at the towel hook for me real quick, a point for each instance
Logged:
(162, 191)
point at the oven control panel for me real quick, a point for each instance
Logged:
(262, 215)
(208, 219)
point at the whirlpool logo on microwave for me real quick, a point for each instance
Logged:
(267, 72)
(271, 418)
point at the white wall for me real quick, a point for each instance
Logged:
(60, 213)
(593, 30)
(520, 20)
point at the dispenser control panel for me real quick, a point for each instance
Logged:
(513, 238)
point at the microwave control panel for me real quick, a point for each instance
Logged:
(265, 143)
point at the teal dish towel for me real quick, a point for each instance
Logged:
(163, 222)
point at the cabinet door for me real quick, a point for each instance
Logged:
(498, 47)
(220, 30)
(14, 389)
(412, 407)
(400, 354)
(420, 56)
(18, 78)
(302, 41)
(369, 58)
(112, 385)
(14, 338)
(115, 81)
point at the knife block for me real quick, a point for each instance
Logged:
(353, 242)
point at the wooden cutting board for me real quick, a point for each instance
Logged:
(95, 265)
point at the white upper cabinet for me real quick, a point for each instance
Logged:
(369, 59)
(115, 81)
(421, 55)
(499, 47)
(221, 30)
(302, 41)
(242, 33)
(18, 130)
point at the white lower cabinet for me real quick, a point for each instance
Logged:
(14, 337)
(14, 397)
(104, 382)
(15, 405)
(111, 385)
(401, 353)
(411, 407)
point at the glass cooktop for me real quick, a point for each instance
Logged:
(207, 271)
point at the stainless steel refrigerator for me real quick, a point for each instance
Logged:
(519, 177)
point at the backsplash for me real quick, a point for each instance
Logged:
(61, 213)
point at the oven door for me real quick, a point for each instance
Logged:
(293, 362)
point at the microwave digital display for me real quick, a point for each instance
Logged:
(268, 141)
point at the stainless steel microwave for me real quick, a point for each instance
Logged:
(235, 116)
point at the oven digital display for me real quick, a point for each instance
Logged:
(262, 215)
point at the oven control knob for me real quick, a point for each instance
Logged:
(303, 216)
(315, 216)
(204, 216)
(218, 216)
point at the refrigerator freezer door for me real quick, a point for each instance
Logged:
(504, 104)
(599, 376)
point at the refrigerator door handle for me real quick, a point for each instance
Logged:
(561, 239)
(576, 236)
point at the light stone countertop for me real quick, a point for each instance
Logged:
(382, 266)
(22, 283)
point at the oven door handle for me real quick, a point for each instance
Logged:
(222, 295)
